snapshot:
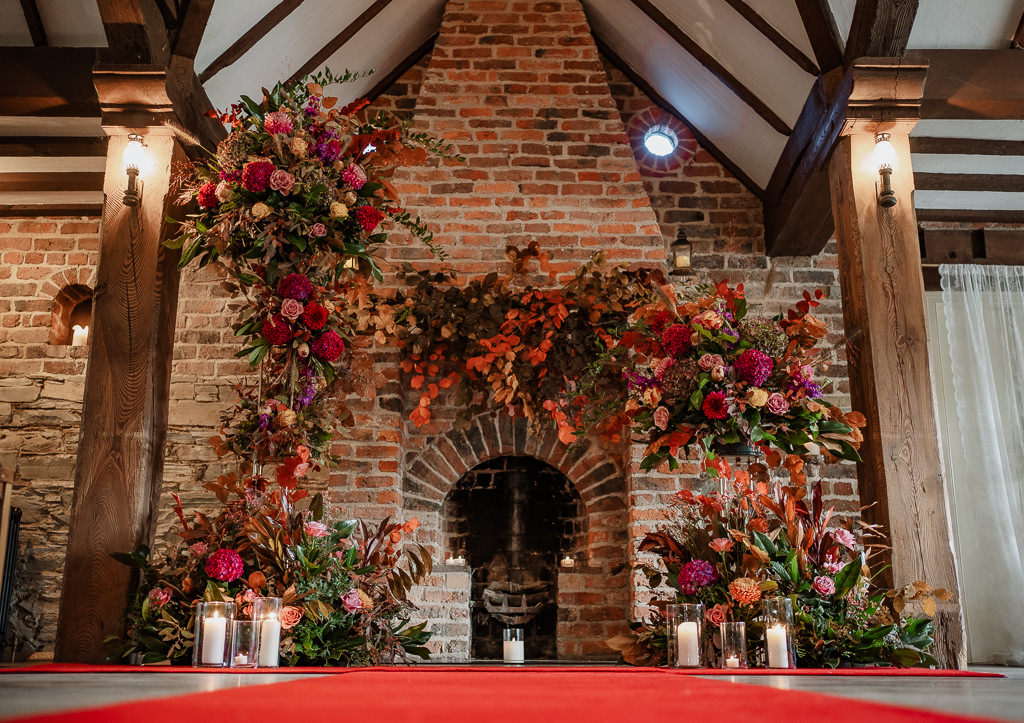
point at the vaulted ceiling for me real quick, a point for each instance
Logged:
(738, 72)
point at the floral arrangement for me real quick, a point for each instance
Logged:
(343, 584)
(290, 209)
(702, 372)
(729, 550)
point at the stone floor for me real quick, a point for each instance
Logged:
(28, 693)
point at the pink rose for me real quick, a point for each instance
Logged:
(823, 585)
(198, 549)
(282, 181)
(845, 538)
(291, 309)
(290, 617)
(318, 230)
(315, 529)
(661, 417)
(777, 404)
(708, 362)
(159, 596)
(715, 615)
(721, 544)
(351, 601)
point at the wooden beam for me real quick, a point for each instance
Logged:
(340, 39)
(999, 182)
(249, 38)
(880, 28)
(136, 33)
(662, 103)
(410, 60)
(35, 23)
(965, 146)
(970, 215)
(52, 146)
(778, 39)
(900, 480)
(35, 210)
(48, 82)
(192, 28)
(124, 415)
(709, 61)
(1018, 36)
(41, 182)
(820, 25)
(974, 84)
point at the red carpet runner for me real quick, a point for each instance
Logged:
(408, 695)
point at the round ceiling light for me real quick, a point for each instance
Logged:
(660, 140)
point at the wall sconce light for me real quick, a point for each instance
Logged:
(682, 251)
(885, 160)
(134, 157)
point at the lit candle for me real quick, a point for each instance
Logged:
(241, 659)
(778, 647)
(214, 634)
(689, 643)
(270, 642)
(513, 651)
(732, 662)
(460, 560)
(567, 561)
(80, 335)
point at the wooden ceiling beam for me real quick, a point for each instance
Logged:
(821, 29)
(880, 29)
(998, 182)
(136, 33)
(1018, 37)
(48, 82)
(191, 29)
(340, 39)
(974, 84)
(970, 215)
(709, 61)
(249, 38)
(778, 39)
(965, 146)
(34, 21)
(656, 98)
(52, 146)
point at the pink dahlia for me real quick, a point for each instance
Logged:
(675, 340)
(315, 316)
(696, 575)
(276, 330)
(256, 175)
(368, 217)
(329, 346)
(754, 367)
(225, 565)
(715, 406)
(824, 586)
(277, 123)
(354, 176)
(207, 195)
(295, 286)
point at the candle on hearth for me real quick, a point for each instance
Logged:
(214, 634)
(270, 642)
(778, 650)
(457, 560)
(513, 651)
(80, 335)
(568, 561)
(688, 637)
(732, 662)
(241, 659)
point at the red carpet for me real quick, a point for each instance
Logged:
(524, 695)
(84, 668)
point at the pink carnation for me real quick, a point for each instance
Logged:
(777, 404)
(754, 367)
(315, 529)
(282, 181)
(661, 418)
(663, 366)
(354, 176)
(351, 601)
(225, 565)
(278, 123)
(833, 566)
(824, 586)
(256, 175)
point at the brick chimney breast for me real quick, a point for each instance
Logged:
(518, 87)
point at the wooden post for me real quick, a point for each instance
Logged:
(883, 309)
(124, 414)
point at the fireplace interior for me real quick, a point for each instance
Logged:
(514, 518)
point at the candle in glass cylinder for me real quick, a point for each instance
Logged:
(270, 641)
(732, 662)
(214, 632)
(688, 638)
(778, 650)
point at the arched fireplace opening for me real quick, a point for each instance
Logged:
(515, 518)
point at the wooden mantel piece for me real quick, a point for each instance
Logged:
(883, 309)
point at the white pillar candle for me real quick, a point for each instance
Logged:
(513, 651)
(688, 642)
(778, 647)
(732, 662)
(270, 642)
(214, 633)
(568, 561)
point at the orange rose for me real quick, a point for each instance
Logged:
(290, 616)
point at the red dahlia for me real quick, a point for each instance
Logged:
(329, 346)
(207, 195)
(715, 406)
(225, 565)
(754, 367)
(315, 316)
(368, 217)
(675, 340)
(276, 330)
(256, 175)
(295, 286)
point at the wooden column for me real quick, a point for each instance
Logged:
(883, 308)
(124, 415)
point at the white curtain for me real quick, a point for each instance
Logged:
(984, 312)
